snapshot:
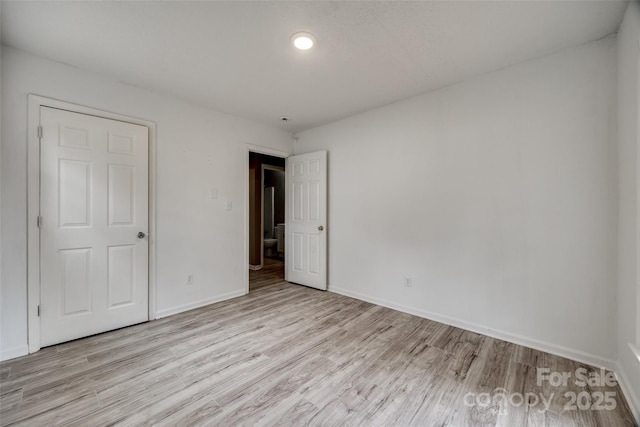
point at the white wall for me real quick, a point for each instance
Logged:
(497, 195)
(197, 149)
(629, 188)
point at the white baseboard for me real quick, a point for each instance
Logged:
(14, 352)
(197, 304)
(632, 398)
(558, 350)
(255, 267)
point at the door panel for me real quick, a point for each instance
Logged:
(121, 195)
(121, 281)
(74, 280)
(74, 193)
(306, 219)
(94, 201)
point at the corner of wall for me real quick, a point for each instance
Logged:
(628, 146)
(14, 352)
(627, 389)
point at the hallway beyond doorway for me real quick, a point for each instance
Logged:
(270, 274)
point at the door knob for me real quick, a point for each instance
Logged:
(141, 235)
(320, 228)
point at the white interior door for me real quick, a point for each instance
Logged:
(93, 205)
(306, 222)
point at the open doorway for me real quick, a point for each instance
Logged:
(266, 220)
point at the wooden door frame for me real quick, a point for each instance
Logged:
(270, 152)
(33, 205)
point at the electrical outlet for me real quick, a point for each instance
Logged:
(190, 279)
(408, 281)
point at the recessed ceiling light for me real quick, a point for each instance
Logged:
(303, 40)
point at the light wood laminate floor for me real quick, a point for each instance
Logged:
(289, 355)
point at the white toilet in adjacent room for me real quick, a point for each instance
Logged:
(269, 245)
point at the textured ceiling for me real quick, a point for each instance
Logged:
(235, 56)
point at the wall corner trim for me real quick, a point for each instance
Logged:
(635, 350)
(14, 352)
(197, 304)
(632, 398)
(558, 350)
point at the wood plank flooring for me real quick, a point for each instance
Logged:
(289, 355)
(271, 273)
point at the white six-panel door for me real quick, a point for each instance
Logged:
(93, 205)
(306, 242)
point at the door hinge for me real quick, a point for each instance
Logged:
(40, 132)
(39, 220)
(39, 309)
